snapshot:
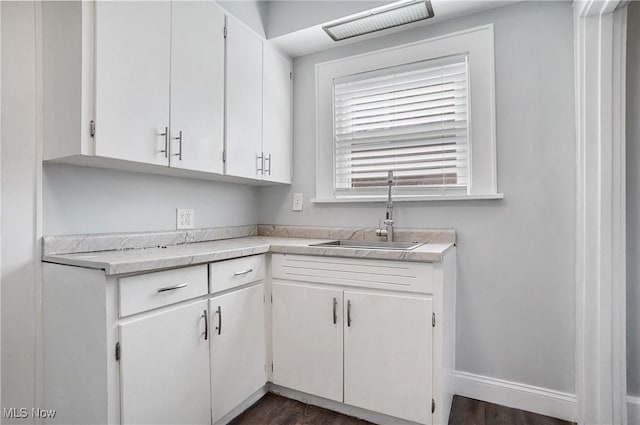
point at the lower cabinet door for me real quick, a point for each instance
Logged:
(238, 347)
(164, 368)
(387, 354)
(307, 339)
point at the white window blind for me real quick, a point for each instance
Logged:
(411, 119)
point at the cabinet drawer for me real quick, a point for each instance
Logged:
(152, 290)
(376, 274)
(233, 273)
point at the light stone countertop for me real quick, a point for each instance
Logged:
(116, 262)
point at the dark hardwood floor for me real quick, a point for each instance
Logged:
(275, 410)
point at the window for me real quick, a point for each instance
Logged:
(411, 120)
(423, 110)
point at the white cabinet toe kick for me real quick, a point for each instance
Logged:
(195, 345)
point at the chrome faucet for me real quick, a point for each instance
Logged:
(388, 221)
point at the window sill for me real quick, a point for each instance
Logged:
(371, 199)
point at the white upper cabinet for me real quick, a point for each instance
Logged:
(258, 141)
(178, 88)
(244, 101)
(132, 80)
(197, 86)
(276, 118)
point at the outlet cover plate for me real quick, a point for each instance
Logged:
(184, 218)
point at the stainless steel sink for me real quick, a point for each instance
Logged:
(404, 246)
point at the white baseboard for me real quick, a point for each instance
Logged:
(356, 412)
(633, 410)
(520, 396)
(243, 406)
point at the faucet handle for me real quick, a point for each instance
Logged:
(380, 232)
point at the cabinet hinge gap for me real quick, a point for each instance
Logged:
(271, 298)
(433, 406)
(433, 320)
(291, 75)
(224, 155)
(271, 367)
(92, 128)
(225, 31)
(117, 351)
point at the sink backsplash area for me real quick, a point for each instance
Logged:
(357, 233)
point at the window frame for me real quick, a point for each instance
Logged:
(475, 43)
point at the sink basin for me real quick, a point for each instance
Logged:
(405, 246)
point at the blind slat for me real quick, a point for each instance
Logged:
(411, 121)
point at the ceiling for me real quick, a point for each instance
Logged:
(296, 25)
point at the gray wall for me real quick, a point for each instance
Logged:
(93, 200)
(19, 200)
(251, 12)
(633, 199)
(516, 309)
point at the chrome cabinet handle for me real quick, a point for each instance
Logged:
(206, 324)
(260, 159)
(243, 272)
(268, 158)
(335, 313)
(179, 154)
(172, 288)
(348, 313)
(166, 142)
(219, 327)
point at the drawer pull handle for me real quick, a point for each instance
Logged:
(219, 313)
(349, 313)
(335, 313)
(243, 272)
(172, 288)
(206, 325)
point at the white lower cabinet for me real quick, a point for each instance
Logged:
(164, 359)
(376, 335)
(307, 339)
(387, 354)
(191, 345)
(238, 348)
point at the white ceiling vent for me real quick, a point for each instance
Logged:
(380, 18)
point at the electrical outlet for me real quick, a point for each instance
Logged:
(297, 201)
(184, 218)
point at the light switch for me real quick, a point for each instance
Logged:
(184, 218)
(297, 201)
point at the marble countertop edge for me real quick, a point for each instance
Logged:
(143, 260)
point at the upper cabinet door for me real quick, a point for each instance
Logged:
(132, 80)
(197, 86)
(276, 121)
(244, 101)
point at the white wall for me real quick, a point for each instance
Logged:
(18, 179)
(516, 309)
(93, 200)
(633, 199)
